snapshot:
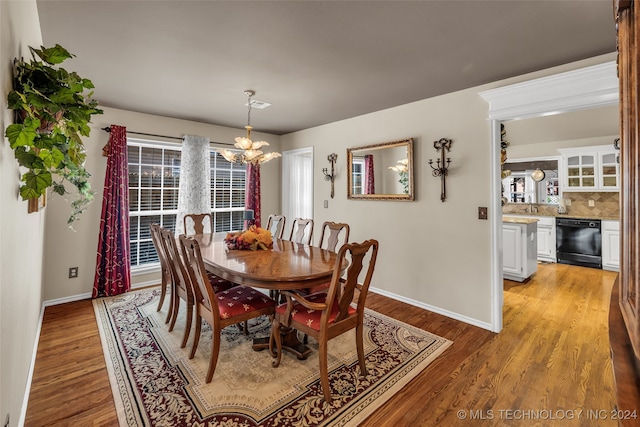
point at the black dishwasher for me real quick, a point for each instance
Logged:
(579, 242)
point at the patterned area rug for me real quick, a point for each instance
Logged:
(155, 384)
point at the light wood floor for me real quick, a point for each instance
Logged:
(551, 360)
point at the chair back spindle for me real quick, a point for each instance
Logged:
(301, 231)
(275, 224)
(198, 222)
(333, 231)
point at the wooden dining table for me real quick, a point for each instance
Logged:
(286, 266)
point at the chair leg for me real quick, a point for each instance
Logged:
(243, 327)
(174, 312)
(163, 293)
(275, 336)
(172, 304)
(324, 371)
(196, 338)
(187, 327)
(215, 350)
(360, 347)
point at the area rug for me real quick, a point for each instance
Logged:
(155, 384)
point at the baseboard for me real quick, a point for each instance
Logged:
(32, 366)
(88, 295)
(450, 314)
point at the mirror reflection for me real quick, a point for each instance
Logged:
(381, 171)
(532, 181)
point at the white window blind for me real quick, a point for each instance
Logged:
(154, 179)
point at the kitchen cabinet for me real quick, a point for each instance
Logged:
(519, 248)
(546, 233)
(611, 245)
(547, 239)
(591, 168)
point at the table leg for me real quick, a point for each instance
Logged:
(290, 343)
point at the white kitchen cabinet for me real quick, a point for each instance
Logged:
(593, 168)
(512, 249)
(611, 245)
(609, 170)
(546, 238)
(519, 248)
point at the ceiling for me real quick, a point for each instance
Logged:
(316, 62)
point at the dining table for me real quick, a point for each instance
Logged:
(286, 266)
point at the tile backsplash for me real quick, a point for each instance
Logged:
(606, 206)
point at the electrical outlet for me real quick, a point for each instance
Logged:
(592, 203)
(73, 272)
(482, 213)
(326, 203)
(567, 202)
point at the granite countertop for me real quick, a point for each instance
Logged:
(519, 220)
(557, 215)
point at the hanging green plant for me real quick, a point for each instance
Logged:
(52, 114)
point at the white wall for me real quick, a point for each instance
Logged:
(544, 149)
(79, 247)
(432, 254)
(21, 234)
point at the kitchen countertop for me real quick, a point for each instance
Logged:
(601, 217)
(518, 220)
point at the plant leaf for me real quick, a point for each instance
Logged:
(22, 134)
(51, 158)
(52, 55)
(58, 188)
(35, 184)
(25, 158)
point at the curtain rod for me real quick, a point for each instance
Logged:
(108, 130)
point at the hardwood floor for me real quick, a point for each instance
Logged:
(551, 361)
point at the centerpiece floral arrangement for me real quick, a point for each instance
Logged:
(403, 170)
(254, 238)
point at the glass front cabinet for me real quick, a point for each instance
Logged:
(591, 169)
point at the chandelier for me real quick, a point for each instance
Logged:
(251, 150)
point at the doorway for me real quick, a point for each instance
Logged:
(589, 87)
(297, 184)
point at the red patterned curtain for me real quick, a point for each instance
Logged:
(252, 190)
(369, 187)
(113, 274)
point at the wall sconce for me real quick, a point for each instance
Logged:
(330, 176)
(442, 168)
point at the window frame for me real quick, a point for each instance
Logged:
(142, 239)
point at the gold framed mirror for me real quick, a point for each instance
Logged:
(381, 171)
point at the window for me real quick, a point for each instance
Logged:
(154, 180)
(358, 176)
(520, 188)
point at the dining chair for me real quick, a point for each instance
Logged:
(301, 231)
(332, 234)
(164, 267)
(275, 224)
(221, 309)
(198, 222)
(181, 286)
(324, 316)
